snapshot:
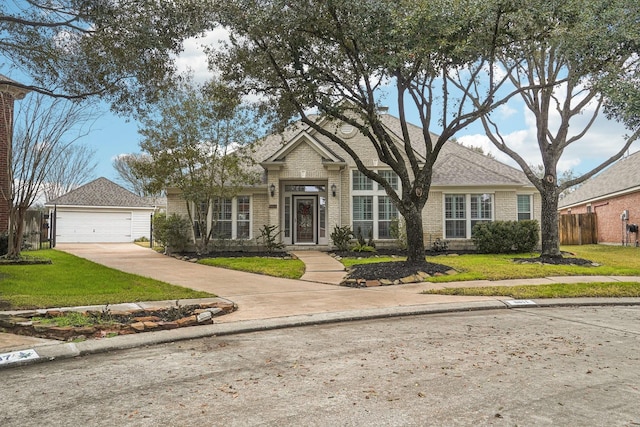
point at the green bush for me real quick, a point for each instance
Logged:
(160, 228)
(502, 237)
(172, 231)
(341, 236)
(363, 248)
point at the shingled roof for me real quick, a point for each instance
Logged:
(101, 192)
(621, 177)
(456, 165)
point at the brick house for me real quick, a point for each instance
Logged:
(310, 185)
(614, 197)
(8, 94)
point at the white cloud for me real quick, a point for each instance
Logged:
(193, 58)
(603, 139)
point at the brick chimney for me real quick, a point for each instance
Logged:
(8, 94)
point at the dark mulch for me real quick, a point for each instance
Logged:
(24, 260)
(394, 270)
(555, 261)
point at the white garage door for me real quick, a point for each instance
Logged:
(90, 227)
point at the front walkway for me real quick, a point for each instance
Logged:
(320, 267)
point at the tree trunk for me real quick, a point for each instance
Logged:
(415, 239)
(549, 223)
(16, 230)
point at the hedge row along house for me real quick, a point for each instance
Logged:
(309, 185)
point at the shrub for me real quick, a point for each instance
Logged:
(341, 236)
(269, 238)
(501, 237)
(398, 231)
(160, 228)
(363, 248)
(172, 231)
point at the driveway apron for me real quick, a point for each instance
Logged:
(257, 296)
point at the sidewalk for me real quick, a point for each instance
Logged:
(266, 302)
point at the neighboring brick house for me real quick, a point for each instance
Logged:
(8, 94)
(614, 196)
(310, 185)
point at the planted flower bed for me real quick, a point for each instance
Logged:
(74, 325)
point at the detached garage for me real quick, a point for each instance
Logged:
(100, 212)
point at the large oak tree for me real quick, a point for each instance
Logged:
(341, 58)
(585, 66)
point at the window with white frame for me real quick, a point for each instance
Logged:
(372, 210)
(463, 211)
(243, 216)
(524, 207)
(232, 218)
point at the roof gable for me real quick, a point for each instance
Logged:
(100, 192)
(622, 176)
(304, 137)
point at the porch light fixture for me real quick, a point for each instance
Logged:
(333, 190)
(272, 188)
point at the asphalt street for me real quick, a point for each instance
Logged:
(525, 366)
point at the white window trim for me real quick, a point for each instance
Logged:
(234, 217)
(531, 210)
(467, 211)
(375, 192)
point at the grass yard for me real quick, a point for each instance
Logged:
(278, 267)
(613, 260)
(573, 290)
(74, 281)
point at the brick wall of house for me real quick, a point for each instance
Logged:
(6, 127)
(611, 229)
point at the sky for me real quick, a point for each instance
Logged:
(112, 135)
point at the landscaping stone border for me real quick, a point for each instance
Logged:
(125, 321)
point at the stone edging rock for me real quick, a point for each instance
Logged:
(126, 321)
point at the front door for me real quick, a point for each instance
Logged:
(305, 219)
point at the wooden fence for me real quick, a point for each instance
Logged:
(578, 229)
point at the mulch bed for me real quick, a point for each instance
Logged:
(556, 261)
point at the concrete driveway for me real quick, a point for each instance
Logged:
(257, 296)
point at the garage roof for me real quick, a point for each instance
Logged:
(100, 192)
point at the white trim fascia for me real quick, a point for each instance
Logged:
(122, 208)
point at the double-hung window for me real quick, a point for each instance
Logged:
(372, 210)
(232, 218)
(524, 207)
(463, 211)
(222, 218)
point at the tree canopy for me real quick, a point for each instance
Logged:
(196, 139)
(346, 59)
(587, 62)
(122, 50)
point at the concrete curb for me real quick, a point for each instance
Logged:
(69, 350)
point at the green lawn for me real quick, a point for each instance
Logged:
(573, 290)
(73, 281)
(613, 260)
(287, 268)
